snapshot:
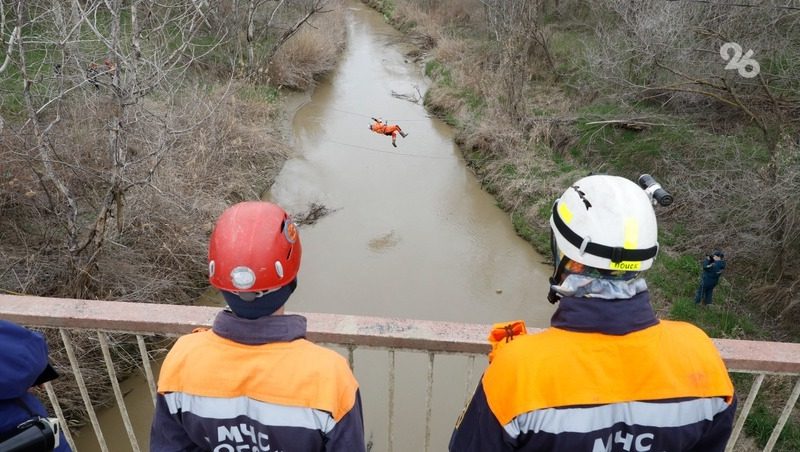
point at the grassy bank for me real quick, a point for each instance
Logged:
(561, 136)
(532, 120)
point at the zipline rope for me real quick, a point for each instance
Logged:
(432, 157)
(427, 118)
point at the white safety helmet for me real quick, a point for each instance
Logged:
(605, 222)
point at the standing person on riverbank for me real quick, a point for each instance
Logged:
(253, 381)
(607, 375)
(24, 364)
(384, 128)
(712, 267)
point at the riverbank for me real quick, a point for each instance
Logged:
(534, 111)
(559, 136)
(117, 198)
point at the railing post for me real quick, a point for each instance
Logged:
(350, 356)
(87, 401)
(112, 375)
(391, 401)
(787, 410)
(467, 385)
(51, 394)
(429, 402)
(748, 404)
(148, 371)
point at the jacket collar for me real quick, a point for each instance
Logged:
(263, 330)
(595, 315)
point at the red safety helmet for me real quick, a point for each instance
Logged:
(255, 247)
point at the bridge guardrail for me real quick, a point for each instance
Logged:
(432, 337)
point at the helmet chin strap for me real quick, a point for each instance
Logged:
(558, 269)
(552, 296)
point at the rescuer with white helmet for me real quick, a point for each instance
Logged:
(603, 231)
(607, 375)
(253, 381)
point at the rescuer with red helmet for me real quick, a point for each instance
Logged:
(253, 381)
(607, 375)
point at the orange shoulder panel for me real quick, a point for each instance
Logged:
(297, 373)
(558, 368)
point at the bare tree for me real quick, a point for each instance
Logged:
(728, 64)
(102, 61)
(523, 41)
(274, 34)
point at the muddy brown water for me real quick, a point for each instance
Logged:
(411, 235)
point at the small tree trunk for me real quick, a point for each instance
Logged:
(251, 12)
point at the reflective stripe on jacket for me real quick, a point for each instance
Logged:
(661, 387)
(258, 385)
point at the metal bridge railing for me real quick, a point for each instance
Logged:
(348, 333)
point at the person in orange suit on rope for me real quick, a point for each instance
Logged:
(384, 128)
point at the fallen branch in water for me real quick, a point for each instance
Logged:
(312, 215)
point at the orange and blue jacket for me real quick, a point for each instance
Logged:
(256, 385)
(607, 376)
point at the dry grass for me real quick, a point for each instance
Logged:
(157, 248)
(441, 101)
(310, 53)
(451, 51)
(230, 151)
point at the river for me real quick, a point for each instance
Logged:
(411, 234)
